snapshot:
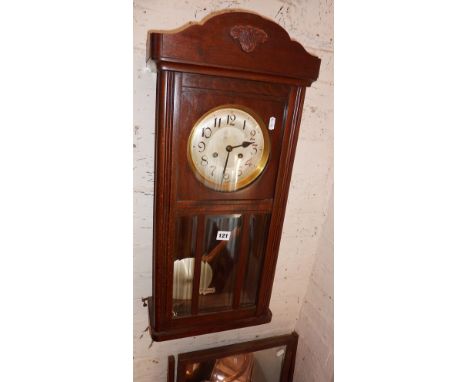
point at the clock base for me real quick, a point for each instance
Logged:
(212, 327)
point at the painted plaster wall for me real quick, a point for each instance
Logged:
(314, 361)
(311, 23)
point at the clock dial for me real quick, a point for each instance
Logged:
(228, 148)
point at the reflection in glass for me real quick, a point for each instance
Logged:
(221, 251)
(234, 368)
(258, 233)
(268, 364)
(184, 261)
(260, 366)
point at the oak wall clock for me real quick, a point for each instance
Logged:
(229, 99)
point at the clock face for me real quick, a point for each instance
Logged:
(228, 148)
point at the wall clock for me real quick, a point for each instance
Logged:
(229, 97)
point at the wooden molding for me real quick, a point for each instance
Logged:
(209, 44)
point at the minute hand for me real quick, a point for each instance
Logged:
(243, 144)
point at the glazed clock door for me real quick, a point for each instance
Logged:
(223, 186)
(218, 268)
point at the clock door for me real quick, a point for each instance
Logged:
(239, 131)
(217, 264)
(218, 250)
(222, 235)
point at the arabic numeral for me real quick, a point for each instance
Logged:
(212, 168)
(217, 122)
(230, 119)
(204, 160)
(201, 146)
(206, 132)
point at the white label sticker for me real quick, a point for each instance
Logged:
(271, 125)
(223, 235)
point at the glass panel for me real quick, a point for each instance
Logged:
(184, 262)
(268, 364)
(221, 252)
(260, 366)
(258, 233)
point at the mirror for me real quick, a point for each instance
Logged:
(266, 360)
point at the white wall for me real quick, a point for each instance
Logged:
(314, 361)
(310, 23)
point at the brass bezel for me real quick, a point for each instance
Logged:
(258, 169)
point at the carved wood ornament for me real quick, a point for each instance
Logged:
(248, 36)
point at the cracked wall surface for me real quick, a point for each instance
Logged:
(311, 23)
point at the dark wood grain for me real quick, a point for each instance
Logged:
(222, 207)
(244, 253)
(171, 368)
(219, 323)
(210, 44)
(198, 256)
(282, 189)
(201, 67)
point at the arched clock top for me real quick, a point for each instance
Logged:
(233, 43)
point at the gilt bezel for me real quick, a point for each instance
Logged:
(259, 168)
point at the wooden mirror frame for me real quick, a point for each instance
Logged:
(287, 370)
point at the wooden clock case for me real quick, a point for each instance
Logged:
(231, 58)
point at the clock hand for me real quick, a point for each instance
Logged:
(243, 144)
(225, 164)
(229, 149)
